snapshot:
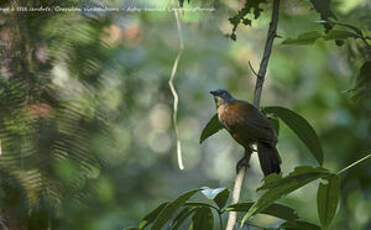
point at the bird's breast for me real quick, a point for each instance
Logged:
(224, 115)
(222, 111)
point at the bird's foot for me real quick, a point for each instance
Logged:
(244, 162)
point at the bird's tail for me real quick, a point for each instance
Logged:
(269, 158)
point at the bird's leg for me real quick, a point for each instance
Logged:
(244, 161)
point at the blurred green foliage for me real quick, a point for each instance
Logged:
(85, 108)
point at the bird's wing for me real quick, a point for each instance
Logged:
(246, 121)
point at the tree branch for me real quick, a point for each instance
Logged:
(272, 33)
(232, 219)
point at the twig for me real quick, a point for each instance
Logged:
(253, 70)
(175, 94)
(353, 164)
(267, 53)
(232, 219)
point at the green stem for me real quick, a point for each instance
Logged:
(353, 164)
(220, 221)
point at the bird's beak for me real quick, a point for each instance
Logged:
(213, 92)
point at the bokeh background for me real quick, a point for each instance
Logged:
(87, 140)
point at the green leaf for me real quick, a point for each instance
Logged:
(171, 208)
(310, 37)
(221, 198)
(250, 10)
(277, 210)
(211, 193)
(340, 35)
(132, 228)
(299, 225)
(181, 217)
(149, 218)
(363, 85)
(303, 39)
(273, 120)
(212, 127)
(355, 29)
(327, 200)
(323, 8)
(199, 204)
(203, 219)
(218, 195)
(277, 186)
(365, 74)
(301, 128)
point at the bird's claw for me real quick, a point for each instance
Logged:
(243, 162)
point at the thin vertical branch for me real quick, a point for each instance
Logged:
(232, 219)
(174, 92)
(272, 33)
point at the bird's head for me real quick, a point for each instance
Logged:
(221, 97)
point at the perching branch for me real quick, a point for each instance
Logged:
(232, 219)
(173, 90)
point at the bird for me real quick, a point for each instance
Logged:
(248, 126)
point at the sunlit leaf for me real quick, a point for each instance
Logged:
(301, 128)
(339, 35)
(327, 200)
(210, 193)
(166, 213)
(218, 195)
(212, 127)
(278, 186)
(203, 219)
(303, 39)
(277, 210)
(355, 29)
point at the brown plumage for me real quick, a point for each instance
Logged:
(247, 125)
